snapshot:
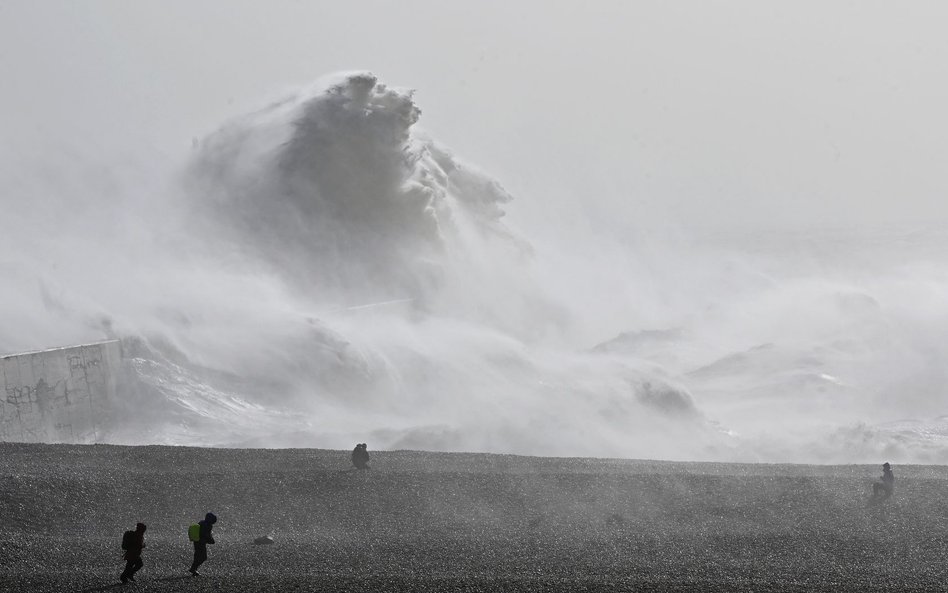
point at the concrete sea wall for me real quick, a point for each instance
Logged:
(62, 395)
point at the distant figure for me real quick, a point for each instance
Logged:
(133, 542)
(360, 456)
(885, 486)
(201, 539)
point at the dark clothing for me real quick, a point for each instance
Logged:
(134, 542)
(206, 527)
(132, 565)
(888, 479)
(135, 545)
(360, 457)
(200, 555)
(886, 485)
(200, 546)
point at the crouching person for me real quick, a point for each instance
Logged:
(360, 456)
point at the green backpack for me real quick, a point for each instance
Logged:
(194, 533)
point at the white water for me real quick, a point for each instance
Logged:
(321, 272)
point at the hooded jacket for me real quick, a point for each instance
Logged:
(206, 526)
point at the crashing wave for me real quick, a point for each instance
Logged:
(333, 275)
(335, 185)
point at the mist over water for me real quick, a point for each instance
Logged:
(323, 272)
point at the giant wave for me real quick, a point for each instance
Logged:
(324, 272)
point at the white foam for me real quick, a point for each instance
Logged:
(326, 273)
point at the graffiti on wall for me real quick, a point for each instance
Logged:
(57, 396)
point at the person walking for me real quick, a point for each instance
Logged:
(201, 540)
(133, 542)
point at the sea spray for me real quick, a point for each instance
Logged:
(323, 272)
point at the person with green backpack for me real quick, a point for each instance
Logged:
(200, 534)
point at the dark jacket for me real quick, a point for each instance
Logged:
(888, 480)
(360, 456)
(136, 543)
(206, 526)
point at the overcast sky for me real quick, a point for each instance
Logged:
(702, 112)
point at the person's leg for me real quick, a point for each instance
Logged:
(131, 566)
(200, 555)
(136, 566)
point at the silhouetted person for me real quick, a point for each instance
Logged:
(886, 484)
(200, 546)
(133, 542)
(360, 456)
